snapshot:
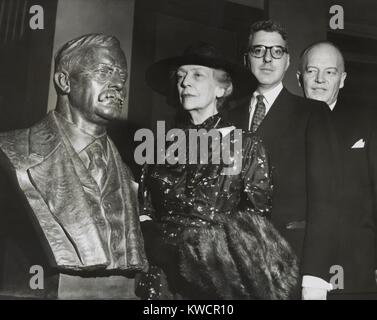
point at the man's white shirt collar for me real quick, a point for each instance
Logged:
(270, 95)
(332, 106)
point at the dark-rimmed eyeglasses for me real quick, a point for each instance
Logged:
(277, 52)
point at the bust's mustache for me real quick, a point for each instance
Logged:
(111, 94)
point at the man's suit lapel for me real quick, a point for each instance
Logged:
(351, 123)
(60, 179)
(341, 120)
(277, 119)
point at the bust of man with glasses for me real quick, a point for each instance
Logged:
(298, 134)
(74, 214)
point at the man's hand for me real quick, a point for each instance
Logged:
(314, 293)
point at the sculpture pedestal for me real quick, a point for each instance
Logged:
(72, 287)
(20, 278)
(111, 287)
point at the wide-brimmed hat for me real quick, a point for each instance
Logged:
(203, 54)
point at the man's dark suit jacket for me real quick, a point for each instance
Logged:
(356, 227)
(301, 143)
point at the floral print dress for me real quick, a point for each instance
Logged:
(209, 235)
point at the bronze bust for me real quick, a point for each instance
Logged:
(73, 188)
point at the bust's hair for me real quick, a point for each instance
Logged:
(70, 54)
(268, 26)
(222, 77)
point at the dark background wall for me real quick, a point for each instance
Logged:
(25, 62)
(164, 28)
(358, 42)
(306, 21)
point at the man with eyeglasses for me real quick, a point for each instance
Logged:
(298, 135)
(322, 77)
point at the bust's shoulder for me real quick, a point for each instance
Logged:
(41, 138)
(14, 142)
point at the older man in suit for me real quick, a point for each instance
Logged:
(73, 209)
(321, 76)
(298, 135)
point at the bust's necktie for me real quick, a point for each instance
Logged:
(259, 114)
(97, 165)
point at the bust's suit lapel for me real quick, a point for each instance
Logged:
(135, 258)
(60, 179)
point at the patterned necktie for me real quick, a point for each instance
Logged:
(97, 165)
(260, 112)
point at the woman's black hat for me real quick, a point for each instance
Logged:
(203, 54)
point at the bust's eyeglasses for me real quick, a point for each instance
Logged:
(104, 72)
(277, 52)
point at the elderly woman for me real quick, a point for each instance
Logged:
(207, 234)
